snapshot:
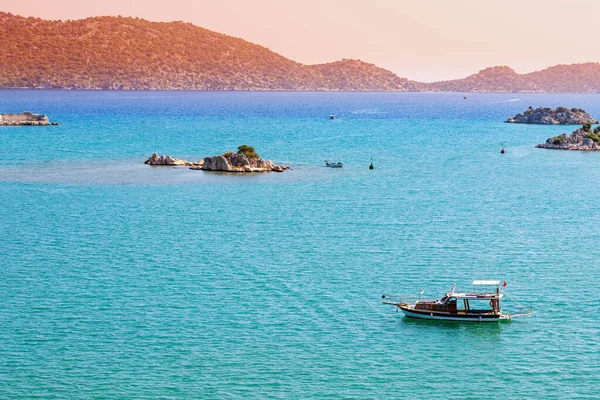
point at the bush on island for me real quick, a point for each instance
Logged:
(594, 136)
(248, 151)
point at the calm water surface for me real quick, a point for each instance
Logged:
(121, 280)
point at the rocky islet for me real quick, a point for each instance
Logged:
(224, 163)
(582, 139)
(548, 116)
(25, 119)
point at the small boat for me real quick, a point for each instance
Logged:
(332, 116)
(476, 306)
(337, 164)
(465, 97)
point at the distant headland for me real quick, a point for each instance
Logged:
(117, 53)
(548, 116)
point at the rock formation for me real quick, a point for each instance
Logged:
(25, 118)
(155, 159)
(548, 116)
(230, 162)
(580, 139)
(239, 163)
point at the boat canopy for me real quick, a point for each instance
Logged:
(488, 283)
(475, 296)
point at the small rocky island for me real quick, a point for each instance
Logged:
(582, 139)
(548, 116)
(24, 119)
(245, 160)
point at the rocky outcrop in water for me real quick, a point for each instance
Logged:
(582, 140)
(239, 163)
(24, 119)
(548, 116)
(155, 159)
(230, 162)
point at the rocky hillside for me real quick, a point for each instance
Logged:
(130, 53)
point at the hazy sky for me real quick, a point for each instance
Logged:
(421, 39)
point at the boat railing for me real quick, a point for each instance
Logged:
(391, 299)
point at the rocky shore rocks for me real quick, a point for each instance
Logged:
(155, 159)
(226, 163)
(239, 163)
(548, 116)
(581, 139)
(24, 119)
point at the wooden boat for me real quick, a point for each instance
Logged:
(476, 306)
(337, 164)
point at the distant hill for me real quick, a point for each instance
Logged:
(131, 53)
(575, 78)
(135, 54)
(495, 79)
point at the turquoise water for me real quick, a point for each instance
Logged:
(121, 280)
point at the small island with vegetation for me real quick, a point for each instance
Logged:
(548, 116)
(25, 119)
(245, 160)
(582, 139)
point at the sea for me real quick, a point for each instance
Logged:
(122, 280)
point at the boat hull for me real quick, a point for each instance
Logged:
(423, 314)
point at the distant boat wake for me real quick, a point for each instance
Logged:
(505, 101)
(368, 111)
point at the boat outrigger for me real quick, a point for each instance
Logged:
(476, 306)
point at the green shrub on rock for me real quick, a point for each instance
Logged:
(594, 137)
(248, 151)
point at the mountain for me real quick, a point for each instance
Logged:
(135, 54)
(574, 78)
(495, 79)
(131, 53)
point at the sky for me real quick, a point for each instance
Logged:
(423, 40)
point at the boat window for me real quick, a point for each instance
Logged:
(481, 305)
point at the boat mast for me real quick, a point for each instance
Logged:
(498, 301)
